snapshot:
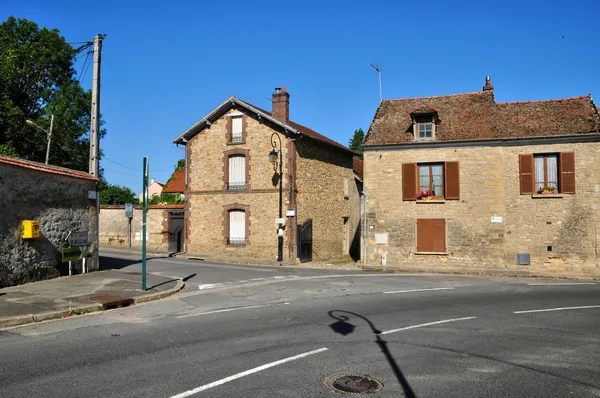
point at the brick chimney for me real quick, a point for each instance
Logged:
(488, 84)
(281, 104)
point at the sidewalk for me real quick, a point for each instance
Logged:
(74, 295)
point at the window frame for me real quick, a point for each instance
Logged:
(424, 120)
(230, 117)
(237, 186)
(430, 164)
(227, 209)
(226, 156)
(546, 178)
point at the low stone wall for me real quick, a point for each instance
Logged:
(115, 226)
(58, 199)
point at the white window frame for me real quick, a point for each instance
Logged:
(237, 227)
(419, 121)
(237, 173)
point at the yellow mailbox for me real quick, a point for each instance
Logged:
(31, 229)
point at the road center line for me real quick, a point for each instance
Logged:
(228, 310)
(561, 284)
(558, 309)
(428, 324)
(246, 373)
(419, 290)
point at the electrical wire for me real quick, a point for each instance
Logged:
(81, 72)
(131, 168)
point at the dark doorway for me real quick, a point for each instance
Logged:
(305, 241)
(176, 231)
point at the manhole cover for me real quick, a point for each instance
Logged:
(353, 384)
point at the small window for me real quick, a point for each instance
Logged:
(546, 172)
(237, 227)
(424, 127)
(346, 193)
(237, 173)
(236, 130)
(431, 180)
(431, 235)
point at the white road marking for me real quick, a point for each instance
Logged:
(229, 310)
(428, 324)
(561, 284)
(246, 373)
(558, 309)
(419, 290)
(209, 286)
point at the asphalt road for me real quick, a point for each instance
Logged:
(285, 333)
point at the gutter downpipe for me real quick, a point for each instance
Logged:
(365, 230)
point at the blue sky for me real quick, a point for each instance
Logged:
(168, 64)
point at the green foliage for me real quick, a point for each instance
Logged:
(166, 199)
(180, 165)
(356, 143)
(116, 195)
(37, 79)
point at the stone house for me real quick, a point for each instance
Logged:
(232, 186)
(464, 181)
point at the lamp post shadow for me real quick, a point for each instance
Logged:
(343, 327)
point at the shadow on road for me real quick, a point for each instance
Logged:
(343, 327)
(187, 278)
(107, 262)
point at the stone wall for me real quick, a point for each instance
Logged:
(114, 226)
(320, 181)
(59, 203)
(489, 186)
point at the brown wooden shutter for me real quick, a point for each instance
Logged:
(526, 173)
(409, 181)
(452, 181)
(423, 235)
(567, 172)
(438, 235)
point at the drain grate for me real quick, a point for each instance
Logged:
(353, 384)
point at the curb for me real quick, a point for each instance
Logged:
(20, 320)
(481, 272)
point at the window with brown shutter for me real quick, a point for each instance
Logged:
(409, 181)
(431, 235)
(526, 173)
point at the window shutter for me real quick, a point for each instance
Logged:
(452, 183)
(409, 181)
(236, 128)
(237, 226)
(526, 173)
(567, 172)
(237, 171)
(423, 235)
(438, 235)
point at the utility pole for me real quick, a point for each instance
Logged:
(144, 208)
(94, 165)
(49, 137)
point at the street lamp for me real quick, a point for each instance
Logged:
(273, 159)
(48, 132)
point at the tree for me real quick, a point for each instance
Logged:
(37, 79)
(356, 143)
(116, 195)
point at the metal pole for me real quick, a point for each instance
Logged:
(280, 229)
(49, 138)
(144, 204)
(380, 89)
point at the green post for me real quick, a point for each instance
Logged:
(144, 205)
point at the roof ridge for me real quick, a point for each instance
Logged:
(437, 96)
(544, 100)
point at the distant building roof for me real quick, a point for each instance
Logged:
(176, 183)
(478, 116)
(357, 166)
(46, 168)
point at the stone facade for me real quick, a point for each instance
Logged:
(55, 197)
(313, 174)
(566, 224)
(115, 226)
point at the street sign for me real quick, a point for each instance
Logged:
(70, 254)
(129, 210)
(290, 213)
(79, 238)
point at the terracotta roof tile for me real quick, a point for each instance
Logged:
(46, 168)
(357, 166)
(176, 183)
(478, 116)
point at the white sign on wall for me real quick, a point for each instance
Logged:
(496, 220)
(381, 238)
(290, 213)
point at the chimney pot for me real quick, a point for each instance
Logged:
(488, 84)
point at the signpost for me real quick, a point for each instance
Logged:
(79, 238)
(144, 205)
(70, 254)
(129, 215)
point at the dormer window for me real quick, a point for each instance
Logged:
(424, 122)
(425, 127)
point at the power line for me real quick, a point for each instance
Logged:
(119, 164)
(81, 72)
